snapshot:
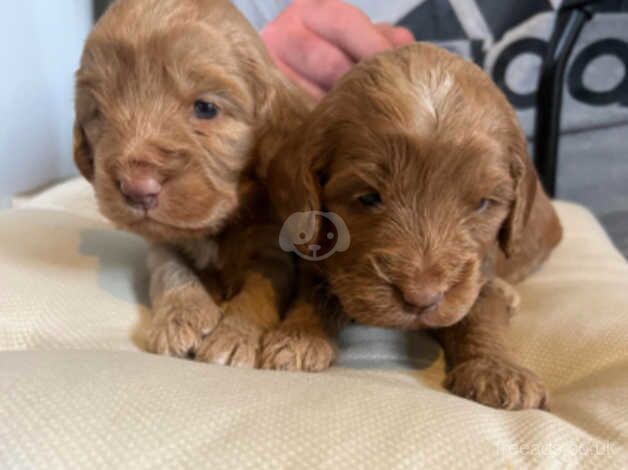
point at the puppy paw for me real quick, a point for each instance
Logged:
(497, 383)
(503, 295)
(231, 344)
(178, 328)
(297, 350)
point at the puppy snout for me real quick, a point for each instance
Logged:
(141, 190)
(422, 292)
(423, 298)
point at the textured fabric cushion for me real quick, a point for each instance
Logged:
(75, 389)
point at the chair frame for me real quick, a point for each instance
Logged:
(570, 19)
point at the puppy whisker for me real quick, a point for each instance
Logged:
(378, 270)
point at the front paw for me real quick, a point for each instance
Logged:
(504, 297)
(178, 327)
(297, 350)
(231, 343)
(497, 383)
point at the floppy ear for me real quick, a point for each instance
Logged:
(278, 105)
(294, 180)
(83, 157)
(525, 181)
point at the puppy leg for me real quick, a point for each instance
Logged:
(259, 280)
(183, 310)
(302, 342)
(481, 366)
(247, 315)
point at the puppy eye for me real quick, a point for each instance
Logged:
(370, 199)
(484, 205)
(205, 109)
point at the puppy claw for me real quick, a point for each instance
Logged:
(230, 345)
(498, 384)
(297, 350)
(179, 330)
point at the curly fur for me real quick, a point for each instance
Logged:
(460, 204)
(143, 67)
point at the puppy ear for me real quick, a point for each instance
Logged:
(525, 181)
(294, 179)
(83, 157)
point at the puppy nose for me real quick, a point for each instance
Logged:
(141, 191)
(314, 248)
(424, 298)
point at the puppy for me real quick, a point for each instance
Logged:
(177, 106)
(422, 157)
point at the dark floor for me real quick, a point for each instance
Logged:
(593, 170)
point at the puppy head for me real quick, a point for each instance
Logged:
(422, 157)
(169, 98)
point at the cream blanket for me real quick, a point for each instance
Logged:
(76, 392)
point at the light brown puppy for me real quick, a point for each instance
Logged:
(422, 157)
(177, 106)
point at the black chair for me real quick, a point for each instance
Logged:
(570, 19)
(99, 7)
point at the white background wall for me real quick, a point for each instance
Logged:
(40, 46)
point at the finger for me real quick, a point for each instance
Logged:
(397, 35)
(313, 57)
(345, 26)
(306, 53)
(312, 88)
(274, 35)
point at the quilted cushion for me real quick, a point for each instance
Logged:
(76, 389)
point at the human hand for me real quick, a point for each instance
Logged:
(315, 42)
